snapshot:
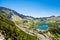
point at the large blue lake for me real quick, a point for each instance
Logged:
(42, 27)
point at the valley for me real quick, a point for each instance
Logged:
(20, 27)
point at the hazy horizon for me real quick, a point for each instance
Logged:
(34, 8)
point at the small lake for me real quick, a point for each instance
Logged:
(42, 27)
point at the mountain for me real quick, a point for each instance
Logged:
(11, 31)
(8, 12)
(16, 17)
(16, 26)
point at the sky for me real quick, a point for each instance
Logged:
(34, 8)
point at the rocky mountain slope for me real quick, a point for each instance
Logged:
(25, 25)
(11, 31)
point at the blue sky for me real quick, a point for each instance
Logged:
(35, 8)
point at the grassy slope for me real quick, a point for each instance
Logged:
(55, 30)
(11, 32)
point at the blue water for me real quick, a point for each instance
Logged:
(42, 27)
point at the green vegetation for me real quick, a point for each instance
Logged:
(11, 32)
(31, 24)
(55, 29)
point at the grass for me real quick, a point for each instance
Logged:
(11, 31)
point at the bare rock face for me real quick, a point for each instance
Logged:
(2, 37)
